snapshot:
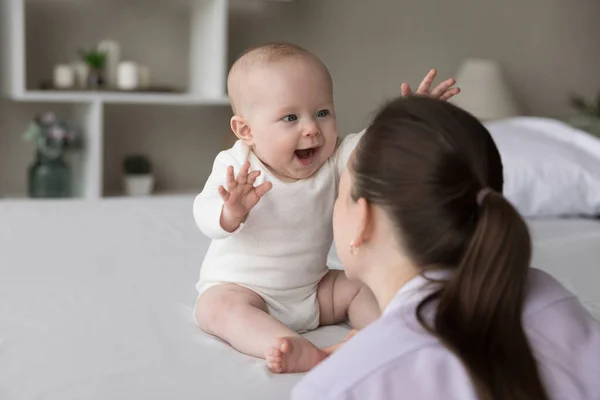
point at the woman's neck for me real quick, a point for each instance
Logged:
(386, 283)
(388, 265)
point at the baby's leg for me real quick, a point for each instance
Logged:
(342, 300)
(339, 300)
(239, 316)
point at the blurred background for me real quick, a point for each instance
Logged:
(140, 84)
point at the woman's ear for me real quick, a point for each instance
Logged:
(241, 129)
(364, 221)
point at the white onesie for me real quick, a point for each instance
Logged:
(280, 251)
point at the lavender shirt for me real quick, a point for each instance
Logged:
(396, 359)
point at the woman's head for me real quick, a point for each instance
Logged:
(422, 162)
(408, 201)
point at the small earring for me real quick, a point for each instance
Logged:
(354, 249)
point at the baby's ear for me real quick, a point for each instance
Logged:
(242, 130)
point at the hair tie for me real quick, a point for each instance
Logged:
(482, 194)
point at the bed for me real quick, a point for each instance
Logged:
(96, 302)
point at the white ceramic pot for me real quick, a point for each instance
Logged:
(139, 185)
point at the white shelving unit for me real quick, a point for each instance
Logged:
(205, 86)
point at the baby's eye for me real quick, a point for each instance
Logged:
(290, 118)
(322, 113)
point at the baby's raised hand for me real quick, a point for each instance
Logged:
(443, 91)
(240, 196)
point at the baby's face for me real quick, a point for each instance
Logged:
(291, 117)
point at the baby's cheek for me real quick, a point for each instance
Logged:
(330, 149)
(280, 150)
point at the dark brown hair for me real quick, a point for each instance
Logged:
(425, 161)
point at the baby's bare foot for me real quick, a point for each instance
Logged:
(293, 354)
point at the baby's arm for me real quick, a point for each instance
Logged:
(225, 201)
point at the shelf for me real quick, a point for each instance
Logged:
(157, 194)
(184, 45)
(183, 42)
(22, 197)
(121, 98)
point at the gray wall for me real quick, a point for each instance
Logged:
(548, 49)
(181, 141)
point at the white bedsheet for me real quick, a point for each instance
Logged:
(96, 302)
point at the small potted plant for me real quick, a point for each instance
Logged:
(588, 114)
(96, 62)
(138, 178)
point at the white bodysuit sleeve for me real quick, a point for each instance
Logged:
(345, 150)
(208, 204)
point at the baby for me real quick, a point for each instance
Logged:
(267, 206)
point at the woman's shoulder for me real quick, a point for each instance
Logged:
(564, 337)
(546, 298)
(393, 354)
(542, 291)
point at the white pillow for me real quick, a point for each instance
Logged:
(550, 168)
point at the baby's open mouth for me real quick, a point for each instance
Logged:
(305, 156)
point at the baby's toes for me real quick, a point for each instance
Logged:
(277, 367)
(284, 346)
(270, 359)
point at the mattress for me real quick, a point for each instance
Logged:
(96, 302)
(569, 249)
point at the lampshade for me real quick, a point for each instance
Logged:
(484, 90)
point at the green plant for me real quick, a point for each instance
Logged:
(585, 107)
(137, 165)
(95, 59)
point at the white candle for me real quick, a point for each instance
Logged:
(64, 77)
(128, 75)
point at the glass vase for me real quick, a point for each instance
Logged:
(49, 177)
(95, 79)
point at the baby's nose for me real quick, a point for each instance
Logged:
(312, 130)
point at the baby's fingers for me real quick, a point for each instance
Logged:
(252, 177)
(440, 89)
(262, 189)
(230, 178)
(405, 89)
(242, 177)
(223, 193)
(426, 84)
(450, 93)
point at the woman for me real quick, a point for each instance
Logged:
(447, 258)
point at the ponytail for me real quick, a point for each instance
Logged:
(479, 309)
